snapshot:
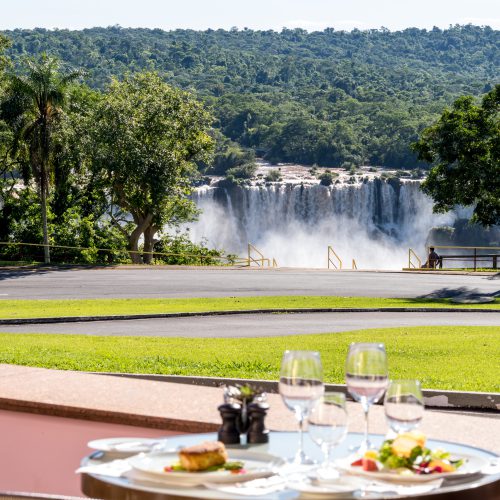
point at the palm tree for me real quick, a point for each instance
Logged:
(37, 99)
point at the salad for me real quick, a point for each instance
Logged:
(407, 454)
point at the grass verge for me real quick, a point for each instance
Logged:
(103, 307)
(442, 357)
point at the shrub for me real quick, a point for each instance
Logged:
(326, 179)
(246, 171)
(273, 176)
(184, 251)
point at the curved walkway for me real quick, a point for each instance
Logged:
(259, 325)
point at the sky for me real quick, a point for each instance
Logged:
(256, 14)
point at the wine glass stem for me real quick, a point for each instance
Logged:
(327, 452)
(301, 435)
(366, 409)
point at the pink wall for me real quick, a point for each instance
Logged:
(39, 453)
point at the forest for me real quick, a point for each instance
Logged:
(331, 98)
(105, 132)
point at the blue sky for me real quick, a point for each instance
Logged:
(257, 14)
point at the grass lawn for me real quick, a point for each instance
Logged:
(103, 307)
(444, 357)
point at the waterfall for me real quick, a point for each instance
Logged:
(374, 222)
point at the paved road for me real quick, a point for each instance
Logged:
(259, 325)
(109, 283)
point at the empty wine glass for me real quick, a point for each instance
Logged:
(300, 386)
(404, 405)
(366, 378)
(327, 426)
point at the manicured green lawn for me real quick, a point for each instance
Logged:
(455, 357)
(103, 307)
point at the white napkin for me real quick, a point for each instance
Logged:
(115, 468)
(255, 488)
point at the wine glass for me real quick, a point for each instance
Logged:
(327, 426)
(366, 378)
(300, 386)
(404, 405)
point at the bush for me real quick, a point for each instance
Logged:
(228, 155)
(326, 179)
(273, 176)
(246, 171)
(185, 252)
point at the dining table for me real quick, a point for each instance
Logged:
(483, 485)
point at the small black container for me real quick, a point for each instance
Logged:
(257, 432)
(228, 432)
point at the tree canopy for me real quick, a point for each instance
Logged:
(146, 139)
(464, 149)
(328, 97)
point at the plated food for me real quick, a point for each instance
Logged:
(407, 459)
(208, 456)
(208, 462)
(407, 454)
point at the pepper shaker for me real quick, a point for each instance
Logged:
(257, 432)
(228, 432)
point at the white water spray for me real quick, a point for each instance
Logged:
(373, 222)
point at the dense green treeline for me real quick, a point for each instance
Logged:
(331, 97)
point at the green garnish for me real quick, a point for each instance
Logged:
(233, 465)
(177, 467)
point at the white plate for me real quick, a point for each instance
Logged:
(473, 465)
(256, 465)
(125, 445)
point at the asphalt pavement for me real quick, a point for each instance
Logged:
(259, 325)
(163, 282)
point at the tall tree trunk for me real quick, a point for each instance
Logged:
(43, 202)
(149, 242)
(133, 240)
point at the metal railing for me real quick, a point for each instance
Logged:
(332, 253)
(122, 255)
(261, 260)
(411, 264)
(478, 255)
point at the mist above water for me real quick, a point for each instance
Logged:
(373, 222)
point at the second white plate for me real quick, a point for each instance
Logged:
(473, 464)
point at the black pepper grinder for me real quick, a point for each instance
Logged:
(257, 432)
(228, 432)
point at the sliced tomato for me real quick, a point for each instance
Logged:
(357, 463)
(369, 464)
